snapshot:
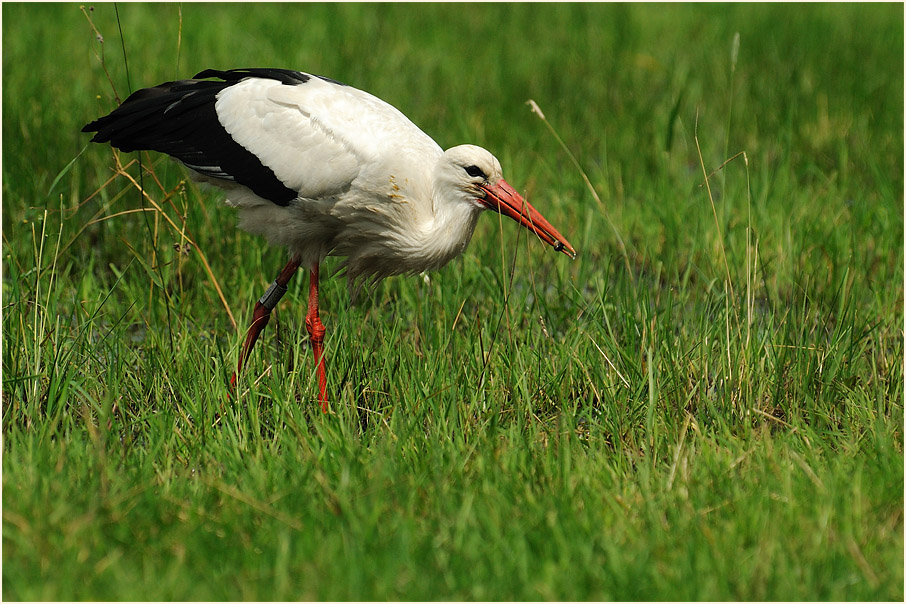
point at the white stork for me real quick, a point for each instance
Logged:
(324, 170)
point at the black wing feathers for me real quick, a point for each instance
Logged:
(284, 76)
(179, 118)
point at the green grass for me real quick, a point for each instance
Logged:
(711, 409)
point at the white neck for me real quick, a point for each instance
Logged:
(449, 232)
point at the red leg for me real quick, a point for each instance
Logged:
(316, 332)
(262, 313)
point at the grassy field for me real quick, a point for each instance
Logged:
(706, 404)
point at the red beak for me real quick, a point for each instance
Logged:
(502, 198)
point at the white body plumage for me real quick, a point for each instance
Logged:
(369, 181)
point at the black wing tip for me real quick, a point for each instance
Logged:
(97, 126)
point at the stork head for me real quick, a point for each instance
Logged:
(474, 175)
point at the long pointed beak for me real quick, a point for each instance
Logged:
(501, 197)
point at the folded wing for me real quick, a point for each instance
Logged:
(283, 134)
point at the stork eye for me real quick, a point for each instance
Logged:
(475, 171)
